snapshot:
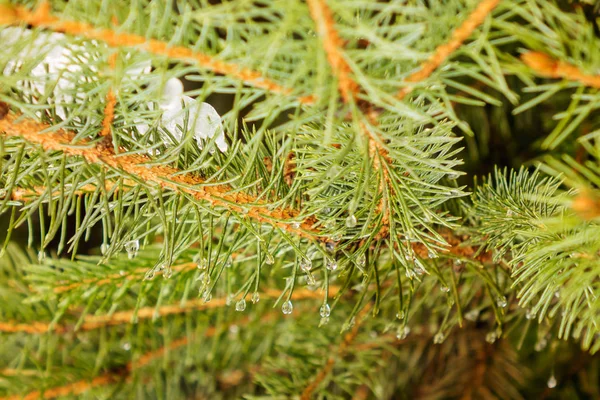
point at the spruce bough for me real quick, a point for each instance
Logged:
(325, 238)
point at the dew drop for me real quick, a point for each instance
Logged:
(361, 260)
(296, 225)
(325, 311)
(453, 176)
(431, 254)
(202, 263)
(150, 275)
(41, 255)
(400, 315)
(530, 314)
(329, 224)
(207, 296)
(330, 246)
(104, 248)
(332, 265)
(541, 344)
(509, 213)
(351, 221)
(240, 305)
(132, 248)
(552, 382)
(472, 315)
(126, 346)
(287, 307)
(445, 289)
(491, 337)
(402, 332)
(255, 297)
(234, 329)
(310, 279)
(167, 272)
(501, 301)
(229, 263)
(229, 300)
(305, 264)
(439, 338)
(269, 259)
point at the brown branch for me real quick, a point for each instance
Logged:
(333, 44)
(165, 177)
(341, 351)
(42, 17)
(111, 101)
(549, 67)
(92, 322)
(441, 53)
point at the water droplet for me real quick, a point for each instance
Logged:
(402, 332)
(509, 213)
(351, 221)
(207, 296)
(329, 224)
(234, 329)
(419, 270)
(330, 246)
(326, 210)
(3, 193)
(202, 263)
(557, 294)
(332, 265)
(287, 307)
(445, 289)
(310, 279)
(41, 255)
(269, 259)
(150, 275)
(439, 338)
(453, 176)
(229, 263)
(132, 248)
(104, 248)
(431, 254)
(361, 260)
(126, 346)
(324, 321)
(530, 314)
(240, 305)
(472, 315)
(457, 263)
(296, 225)
(541, 344)
(122, 273)
(255, 297)
(552, 382)
(455, 193)
(305, 264)
(229, 300)
(167, 272)
(501, 301)
(325, 311)
(400, 315)
(491, 337)
(337, 237)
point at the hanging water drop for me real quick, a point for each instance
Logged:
(206, 296)
(287, 307)
(530, 314)
(431, 254)
(132, 248)
(439, 338)
(453, 176)
(509, 213)
(240, 305)
(402, 332)
(472, 315)
(167, 272)
(361, 260)
(150, 275)
(445, 289)
(296, 225)
(269, 259)
(41, 255)
(255, 297)
(501, 301)
(541, 344)
(325, 311)
(104, 248)
(126, 346)
(351, 221)
(491, 337)
(310, 279)
(400, 315)
(329, 224)
(229, 299)
(332, 265)
(229, 263)
(330, 246)
(305, 264)
(202, 263)
(552, 382)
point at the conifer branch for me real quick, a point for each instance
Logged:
(111, 101)
(166, 177)
(441, 53)
(547, 66)
(43, 18)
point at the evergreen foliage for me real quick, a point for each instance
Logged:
(338, 246)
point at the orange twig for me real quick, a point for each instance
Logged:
(348, 339)
(547, 66)
(333, 44)
(111, 101)
(42, 17)
(92, 322)
(460, 34)
(166, 177)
